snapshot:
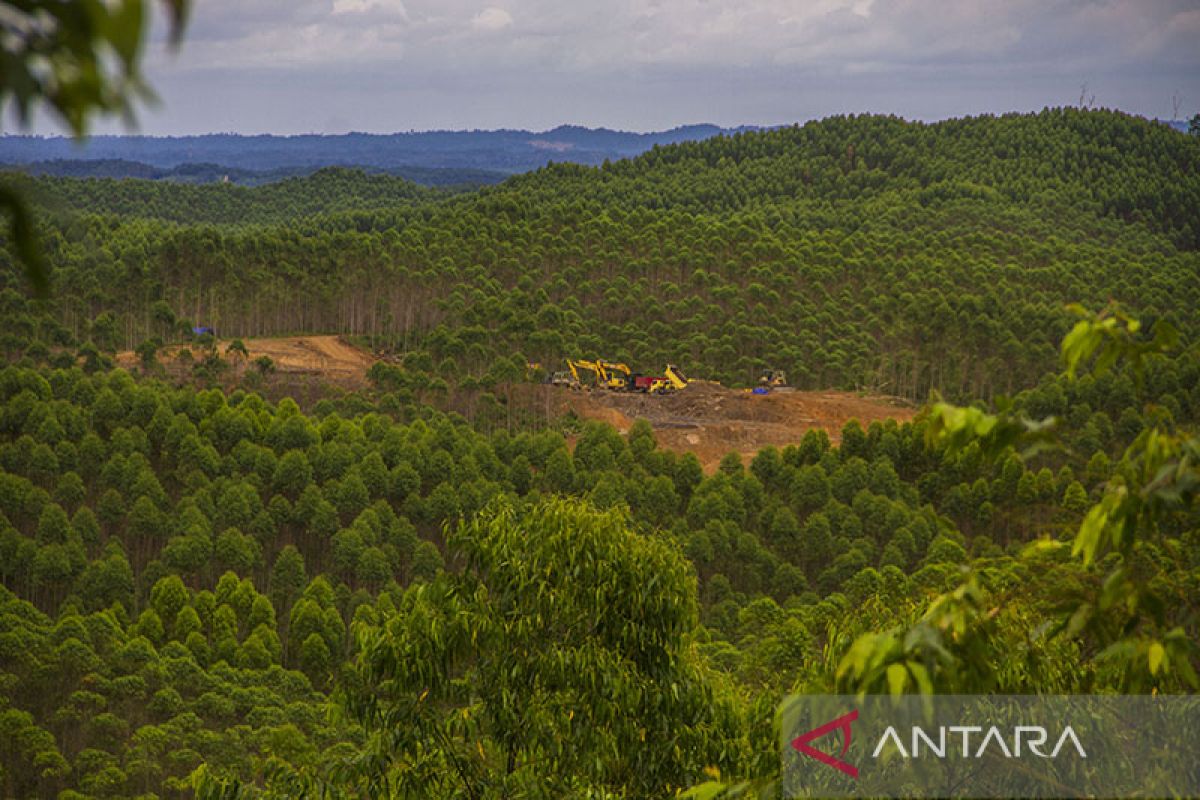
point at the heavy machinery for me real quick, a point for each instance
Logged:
(610, 375)
(617, 376)
(672, 380)
(772, 379)
(603, 376)
(535, 373)
(676, 378)
(576, 365)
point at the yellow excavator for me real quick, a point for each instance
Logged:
(611, 375)
(604, 373)
(622, 382)
(618, 377)
(576, 365)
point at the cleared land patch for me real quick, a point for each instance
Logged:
(707, 419)
(711, 420)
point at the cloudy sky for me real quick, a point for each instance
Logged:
(294, 66)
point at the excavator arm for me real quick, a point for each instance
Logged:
(617, 376)
(595, 367)
(614, 381)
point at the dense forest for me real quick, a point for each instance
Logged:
(854, 253)
(209, 589)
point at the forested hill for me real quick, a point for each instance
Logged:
(1099, 162)
(327, 191)
(855, 252)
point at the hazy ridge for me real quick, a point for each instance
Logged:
(500, 151)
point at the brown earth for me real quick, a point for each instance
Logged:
(711, 420)
(328, 357)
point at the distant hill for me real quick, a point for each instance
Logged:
(502, 151)
(326, 191)
(217, 173)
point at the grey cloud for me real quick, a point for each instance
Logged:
(300, 65)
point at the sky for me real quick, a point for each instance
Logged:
(332, 66)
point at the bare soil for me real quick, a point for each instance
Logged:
(327, 357)
(711, 420)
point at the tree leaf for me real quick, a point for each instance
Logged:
(705, 791)
(24, 240)
(1156, 654)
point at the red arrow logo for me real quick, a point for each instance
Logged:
(842, 723)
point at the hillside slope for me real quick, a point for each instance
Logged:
(1100, 162)
(856, 253)
(326, 191)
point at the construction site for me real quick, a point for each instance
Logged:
(692, 416)
(711, 420)
(708, 419)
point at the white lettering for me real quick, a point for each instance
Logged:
(965, 730)
(993, 733)
(1069, 733)
(1034, 746)
(892, 733)
(938, 749)
(1025, 737)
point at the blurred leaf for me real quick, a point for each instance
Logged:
(24, 238)
(705, 791)
(124, 29)
(921, 676)
(1155, 656)
(79, 58)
